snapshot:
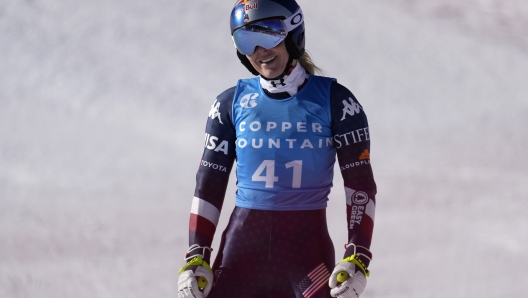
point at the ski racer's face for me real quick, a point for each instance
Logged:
(270, 62)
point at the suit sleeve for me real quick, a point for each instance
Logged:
(213, 172)
(352, 140)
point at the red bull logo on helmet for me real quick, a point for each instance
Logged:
(239, 11)
(252, 6)
(247, 4)
(242, 7)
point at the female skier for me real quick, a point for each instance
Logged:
(284, 129)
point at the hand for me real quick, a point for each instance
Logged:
(352, 287)
(188, 282)
(196, 277)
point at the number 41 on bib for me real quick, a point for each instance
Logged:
(266, 173)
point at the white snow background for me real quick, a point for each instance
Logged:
(103, 106)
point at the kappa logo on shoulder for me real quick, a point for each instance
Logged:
(249, 100)
(215, 111)
(351, 108)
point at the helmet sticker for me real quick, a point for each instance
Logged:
(242, 7)
(248, 4)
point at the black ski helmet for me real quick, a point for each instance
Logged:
(255, 10)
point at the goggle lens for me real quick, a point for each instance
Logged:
(267, 34)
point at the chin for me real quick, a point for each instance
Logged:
(270, 74)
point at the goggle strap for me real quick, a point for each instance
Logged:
(294, 20)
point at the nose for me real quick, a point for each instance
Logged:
(260, 49)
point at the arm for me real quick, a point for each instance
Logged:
(196, 277)
(213, 174)
(352, 141)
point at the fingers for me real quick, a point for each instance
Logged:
(342, 289)
(205, 279)
(190, 292)
(188, 286)
(342, 272)
(351, 287)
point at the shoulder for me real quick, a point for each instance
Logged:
(339, 91)
(336, 89)
(322, 80)
(346, 109)
(227, 95)
(220, 111)
(224, 101)
(341, 95)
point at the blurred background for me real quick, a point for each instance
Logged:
(102, 114)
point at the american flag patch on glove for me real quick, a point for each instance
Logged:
(314, 281)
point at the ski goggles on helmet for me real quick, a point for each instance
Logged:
(265, 33)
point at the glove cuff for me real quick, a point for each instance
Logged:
(197, 250)
(362, 252)
(196, 261)
(354, 259)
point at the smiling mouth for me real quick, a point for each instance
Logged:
(268, 60)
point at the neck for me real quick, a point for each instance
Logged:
(293, 78)
(287, 69)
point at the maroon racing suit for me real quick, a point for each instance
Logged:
(286, 253)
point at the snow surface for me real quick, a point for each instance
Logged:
(102, 113)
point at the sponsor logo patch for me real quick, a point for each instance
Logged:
(364, 159)
(360, 197)
(213, 166)
(364, 155)
(249, 100)
(352, 137)
(213, 143)
(215, 111)
(356, 215)
(351, 108)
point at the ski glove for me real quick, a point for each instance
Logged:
(196, 277)
(346, 281)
